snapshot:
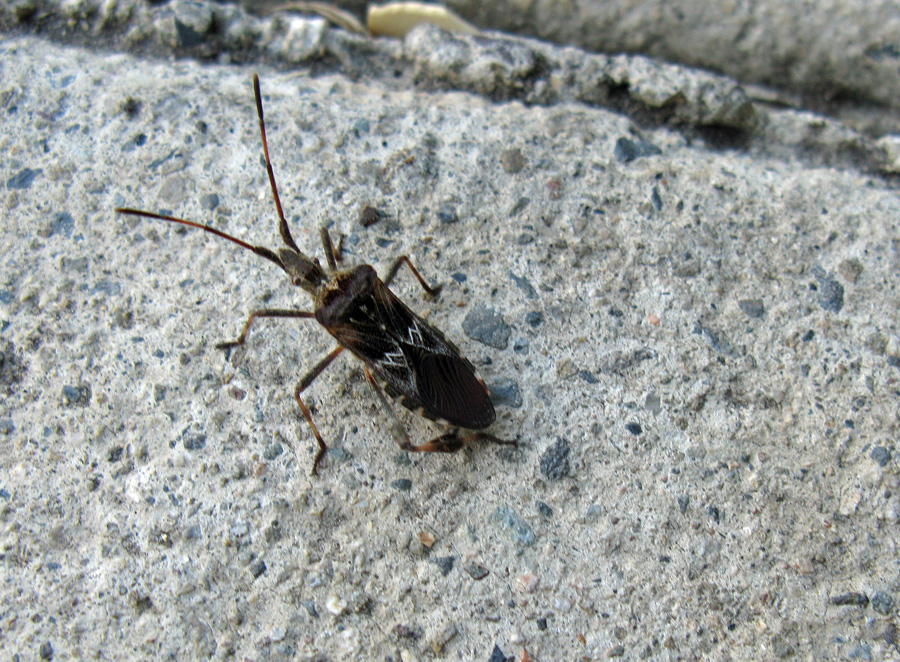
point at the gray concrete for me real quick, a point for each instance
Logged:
(711, 332)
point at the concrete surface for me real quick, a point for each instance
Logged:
(702, 373)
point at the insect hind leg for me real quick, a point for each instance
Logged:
(449, 442)
(397, 428)
(452, 442)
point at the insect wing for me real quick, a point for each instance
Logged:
(443, 382)
(414, 361)
(448, 387)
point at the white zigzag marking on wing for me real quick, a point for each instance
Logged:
(415, 335)
(394, 359)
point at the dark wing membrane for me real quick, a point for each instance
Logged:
(416, 363)
(449, 389)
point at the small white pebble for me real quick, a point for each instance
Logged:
(335, 605)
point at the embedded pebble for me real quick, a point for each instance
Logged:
(445, 563)
(566, 369)
(524, 284)
(447, 213)
(616, 651)
(505, 392)
(881, 455)
(209, 201)
(509, 521)
(272, 451)
(512, 160)
(76, 396)
(850, 269)
(534, 318)
(442, 638)
(22, 179)
(485, 325)
(62, 223)
(588, 376)
(194, 442)
(627, 150)
(476, 571)
(497, 655)
(555, 461)
(370, 216)
(752, 308)
(831, 292)
(854, 599)
(528, 582)
(882, 603)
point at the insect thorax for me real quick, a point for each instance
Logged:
(344, 294)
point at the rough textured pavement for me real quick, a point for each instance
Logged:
(693, 337)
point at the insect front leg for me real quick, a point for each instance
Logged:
(395, 267)
(302, 385)
(333, 254)
(264, 312)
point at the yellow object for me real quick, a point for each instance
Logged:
(395, 19)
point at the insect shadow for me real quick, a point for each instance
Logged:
(404, 356)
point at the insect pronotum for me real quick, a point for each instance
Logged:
(404, 356)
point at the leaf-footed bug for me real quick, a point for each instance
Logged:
(401, 351)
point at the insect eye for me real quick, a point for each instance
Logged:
(297, 281)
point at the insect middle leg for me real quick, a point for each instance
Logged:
(302, 385)
(264, 312)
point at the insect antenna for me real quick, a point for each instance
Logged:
(282, 222)
(259, 250)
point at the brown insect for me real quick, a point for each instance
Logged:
(404, 356)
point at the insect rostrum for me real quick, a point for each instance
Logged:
(400, 350)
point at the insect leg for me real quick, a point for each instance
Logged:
(395, 267)
(330, 253)
(397, 428)
(265, 312)
(446, 443)
(452, 442)
(302, 385)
